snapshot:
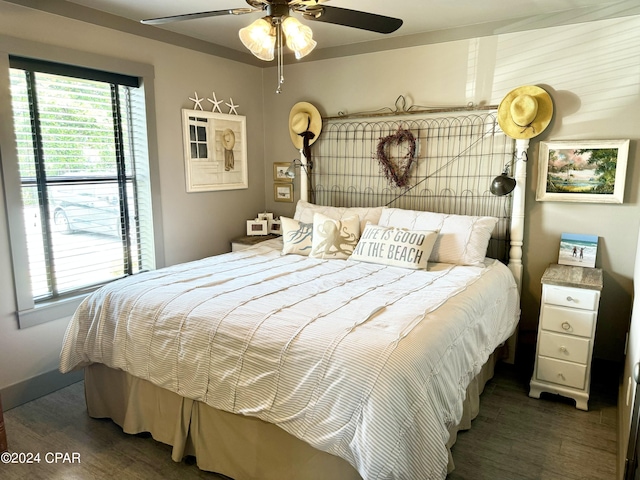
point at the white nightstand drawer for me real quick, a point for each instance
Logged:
(562, 373)
(568, 320)
(571, 297)
(564, 347)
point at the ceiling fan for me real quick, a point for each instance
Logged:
(264, 37)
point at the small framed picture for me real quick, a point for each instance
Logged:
(280, 172)
(582, 171)
(268, 216)
(578, 249)
(257, 227)
(276, 227)
(283, 192)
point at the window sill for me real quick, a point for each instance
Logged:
(49, 311)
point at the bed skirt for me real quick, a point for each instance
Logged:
(240, 447)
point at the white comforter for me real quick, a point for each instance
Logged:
(366, 362)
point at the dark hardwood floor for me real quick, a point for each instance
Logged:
(514, 437)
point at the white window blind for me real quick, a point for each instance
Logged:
(81, 140)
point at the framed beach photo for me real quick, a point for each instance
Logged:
(582, 171)
(578, 249)
(283, 192)
(280, 172)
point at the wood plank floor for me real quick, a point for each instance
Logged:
(514, 437)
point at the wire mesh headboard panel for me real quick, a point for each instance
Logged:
(457, 156)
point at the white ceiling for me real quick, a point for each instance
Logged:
(419, 17)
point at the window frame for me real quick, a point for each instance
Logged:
(27, 311)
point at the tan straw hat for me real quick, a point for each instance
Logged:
(228, 139)
(304, 117)
(525, 112)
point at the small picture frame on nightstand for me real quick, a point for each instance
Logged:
(257, 227)
(268, 216)
(578, 249)
(275, 227)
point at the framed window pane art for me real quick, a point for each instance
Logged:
(215, 151)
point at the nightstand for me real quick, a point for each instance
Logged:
(241, 243)
(566, 332)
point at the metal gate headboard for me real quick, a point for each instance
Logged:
(457, 156)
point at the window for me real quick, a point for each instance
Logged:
(84, 176)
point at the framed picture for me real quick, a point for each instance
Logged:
(268, 216)
(578, 249)
(280, 172)
(582, 171)
(257, 227)
(276, 227)
(283, 192)
(215, 151)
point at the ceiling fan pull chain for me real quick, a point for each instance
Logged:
(280, 58)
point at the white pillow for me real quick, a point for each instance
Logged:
(334, 238)
(397, 247)
(462, 239)
(296, 236)
(305, 212)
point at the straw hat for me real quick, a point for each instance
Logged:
(525, 112)
(228, 139)
(304, 117)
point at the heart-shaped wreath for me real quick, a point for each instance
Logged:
(397, 173)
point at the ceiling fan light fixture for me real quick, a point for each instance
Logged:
(259, 38)
(299, 37)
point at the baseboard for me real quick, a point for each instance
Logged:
(36, 387)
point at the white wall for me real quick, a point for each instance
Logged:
(196, 224)
(592, 72)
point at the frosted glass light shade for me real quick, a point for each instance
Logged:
(299, 37)
(259, 38)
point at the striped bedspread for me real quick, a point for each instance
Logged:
(363, 361)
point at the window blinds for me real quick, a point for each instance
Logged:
(84, 177)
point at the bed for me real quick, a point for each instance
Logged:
(307, 357)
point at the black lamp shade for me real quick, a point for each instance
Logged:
(502, 185)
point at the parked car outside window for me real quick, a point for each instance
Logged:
(85, 208)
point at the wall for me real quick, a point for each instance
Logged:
(592, 72)
(628, 386)
(195, 225)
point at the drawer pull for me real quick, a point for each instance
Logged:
(566, 326)
(569, 299)
(561, 375)
(563, 349)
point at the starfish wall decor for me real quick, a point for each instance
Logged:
(215, 102)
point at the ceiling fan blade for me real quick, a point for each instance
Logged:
(192, 16)
(354, 18)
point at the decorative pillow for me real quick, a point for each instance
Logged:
(393, 246)
(296, 236)
(305, 212)
(462, 239)
(334, 238)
